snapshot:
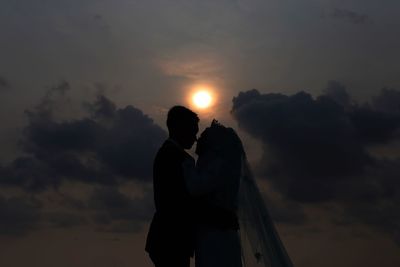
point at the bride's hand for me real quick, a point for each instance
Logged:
(189, 168)
(188, 163)
(204, 177)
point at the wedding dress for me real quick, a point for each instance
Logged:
(214, 246)
(225, 180)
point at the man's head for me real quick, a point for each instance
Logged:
(182, 126)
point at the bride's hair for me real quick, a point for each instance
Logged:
(221, 139)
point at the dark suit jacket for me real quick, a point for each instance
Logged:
(171, 230)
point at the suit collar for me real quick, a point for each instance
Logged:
(175, 143)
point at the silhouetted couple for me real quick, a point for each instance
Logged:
(196, 203)
(199, 205)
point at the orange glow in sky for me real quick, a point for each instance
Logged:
(202, 97)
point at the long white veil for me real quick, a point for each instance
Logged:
(261, 245)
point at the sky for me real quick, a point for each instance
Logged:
(311, 86)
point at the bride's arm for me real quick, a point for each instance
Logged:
(204, 179)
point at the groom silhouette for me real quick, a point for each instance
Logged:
(170, 240)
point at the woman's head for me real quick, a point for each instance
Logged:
(220, 139)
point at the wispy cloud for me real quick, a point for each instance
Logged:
(351, 16)
(4, 84)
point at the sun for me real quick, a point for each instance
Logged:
(202, 99)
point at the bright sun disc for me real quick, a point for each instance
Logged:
(202, 99)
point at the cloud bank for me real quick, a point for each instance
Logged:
(107, 145)
(319, 150)
(104, 149)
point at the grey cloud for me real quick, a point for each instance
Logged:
(375, 199)
(98, 17)
(374, 126)
(4, 84)
(307, 138)
(28, 173)
(106, 145)
(48, 103)
(129, 145)
(71, 202)
(312, 142)
(63, 219)
(122, 227)
(387, 101)
(115, 211)
(103, 108)
(350, 16)
(100, 21)
(338, 92)
(18, 215)
(316, 150)
(285, 211)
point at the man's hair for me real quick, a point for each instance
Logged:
(179, 115)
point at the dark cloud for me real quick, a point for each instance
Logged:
(60, 219)
(288, 212)
(4, 83)
(338, 92)
(29, 173)
(375, 199)
(115, 211)
(387, 101)
(312, 142)
(308, 138)
(316, 150)
(350, 16)
(103, 108)
(70, 202)
(107, 209)
(97, 17)
(131, 142)
(18, 215)
(106, 145)
(374, 126)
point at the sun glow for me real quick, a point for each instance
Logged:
(202, 99)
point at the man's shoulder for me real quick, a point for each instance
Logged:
(169, 150)
(168, 147)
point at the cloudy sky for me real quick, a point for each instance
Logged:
(312, 87)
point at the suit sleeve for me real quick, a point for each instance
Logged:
(170, 193)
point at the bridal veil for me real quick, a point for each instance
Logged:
(261, 245)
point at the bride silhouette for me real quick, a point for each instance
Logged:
(227, 196)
